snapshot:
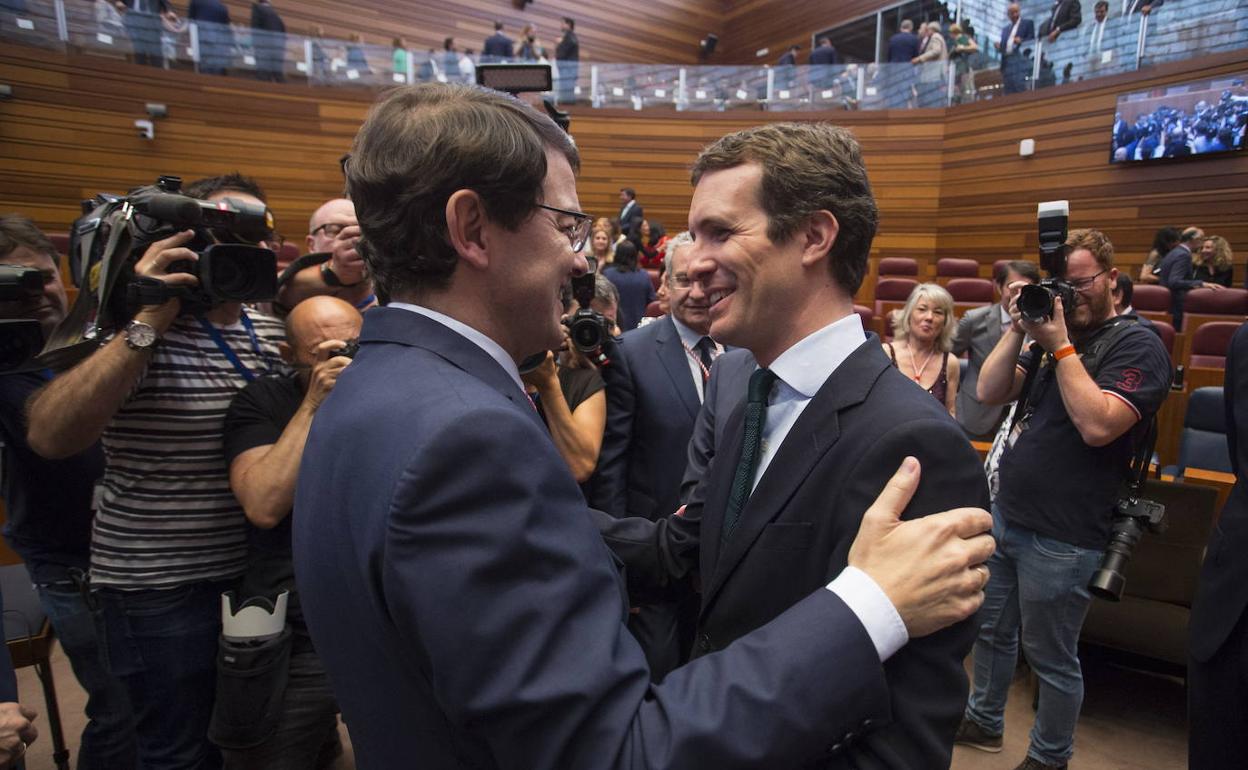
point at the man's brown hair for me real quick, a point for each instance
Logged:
(418, 146)
(1094, 241)
(807, 167)
(16, 231)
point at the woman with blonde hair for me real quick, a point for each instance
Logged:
(1214, 263)
(923, 328)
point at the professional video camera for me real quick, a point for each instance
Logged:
(588, 329)
(1035, 301)
(20, 338)
(114, 232)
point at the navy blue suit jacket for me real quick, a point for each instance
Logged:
(1026, 30)
(470, 615)
(1175, 273)
(1222, 592)
(796, 529)
(823, 55)
(652, 403)
(902, 47)
(498, 45)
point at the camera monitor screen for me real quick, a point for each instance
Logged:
(1203, 117)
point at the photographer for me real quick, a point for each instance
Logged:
(48, 510)
(1060, 477)
(332, 265)
(266, 428)
(169, 535)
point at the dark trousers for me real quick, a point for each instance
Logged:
(108, 740)
(162, 645)
(656, 629)
(144, 31)
(1217, 699)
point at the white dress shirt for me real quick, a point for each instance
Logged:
(1009, 44)
(690, 339)
(801, 371)
(492, 348)
(1097, 37)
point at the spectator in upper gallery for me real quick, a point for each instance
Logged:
(635, 287)
(268, 38)
(933, 53)
(498, 47)
(450, 59)
(822, 59)
(530, 48)
(216, 38)
(1145, 7)
(356, 58)
(1176, 273)
(964, 50)
(467, 67)
(1016, 32)
(1214, 262)
(567, 59)
(786, 68)
(1095, 34)
(1064, 16)
(903, 46)
(142, 20)
(1164, 240)
(398, 59)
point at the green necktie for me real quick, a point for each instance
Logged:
(755, 416)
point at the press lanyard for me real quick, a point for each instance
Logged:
(227, 351)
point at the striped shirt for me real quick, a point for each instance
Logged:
(166, 514)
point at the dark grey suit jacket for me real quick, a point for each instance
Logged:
(730, 377)
(795, 532)
(978, 332)
(470, 616)
(652, 403)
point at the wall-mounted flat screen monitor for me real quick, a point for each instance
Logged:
(1203, 117)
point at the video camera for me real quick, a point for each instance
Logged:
(20, 338)
(1035, 301)
(111, 237)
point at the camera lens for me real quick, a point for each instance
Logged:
(1035, 303)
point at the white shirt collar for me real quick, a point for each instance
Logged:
(809, 363)
(687, 335)
(492, 348)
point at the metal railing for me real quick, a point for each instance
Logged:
(1123, 42)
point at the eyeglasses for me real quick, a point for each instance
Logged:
(1080, 284)
(577, 233)
(681, 280)
(331, 229)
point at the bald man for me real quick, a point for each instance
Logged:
(265, 430)
(333, 266)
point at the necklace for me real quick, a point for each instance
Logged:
(918, 370)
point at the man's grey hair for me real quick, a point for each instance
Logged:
(680, 240)
(605, 291)
(907, 25)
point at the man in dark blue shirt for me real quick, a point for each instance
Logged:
(49, 511)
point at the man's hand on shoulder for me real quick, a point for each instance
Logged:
(929, 568)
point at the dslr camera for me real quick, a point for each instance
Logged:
(588, 329)
(1035, 301)
(115, 231)
(20, 338)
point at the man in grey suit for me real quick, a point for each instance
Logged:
(977, 334)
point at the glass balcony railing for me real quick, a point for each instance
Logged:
(1122, 40)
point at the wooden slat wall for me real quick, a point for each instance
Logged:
(649, 32)
(949, 184)
(755, 24)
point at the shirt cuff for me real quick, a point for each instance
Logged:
(872, 607)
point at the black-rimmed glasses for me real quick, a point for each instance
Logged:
(578, 233)
(1079, 284)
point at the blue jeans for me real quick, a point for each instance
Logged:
(1041, 583)
(108, 739)
(162, 645)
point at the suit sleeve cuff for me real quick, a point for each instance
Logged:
(872, 607)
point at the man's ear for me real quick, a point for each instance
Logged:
(466, 225)
(818, 236)
(286, 352)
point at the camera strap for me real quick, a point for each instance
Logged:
(225, 348)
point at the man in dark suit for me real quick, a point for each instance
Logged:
(1217, 692)
(977, 334)
(1015, 66)
(1175, 272)
(1064, 16)
(654, 388)
(836, 416)
(631, 214)
(822, 60)
(568, 60)
(216, 37)
(453, 580)
(498, 47)
(268, 33)
(904, 44)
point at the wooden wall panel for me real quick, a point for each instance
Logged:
(755, 24)
(648, 32)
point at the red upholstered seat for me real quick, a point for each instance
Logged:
(1210, 342)
(1167, 337)
(1216, 301)
(957, 268)
(898, 266)
(288, 253)
(61, 242)
(970, 290)
(1151, 298)
(892, 291)
(653, 310)
(866, 314)
(999, 265)
(655, 279)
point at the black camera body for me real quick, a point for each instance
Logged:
(1132, 518)
(18, 283)
(588, 329)
(1035, 301)
(21, 339)
(348, 350)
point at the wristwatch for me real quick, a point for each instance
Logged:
(139, 335)
(331, 278)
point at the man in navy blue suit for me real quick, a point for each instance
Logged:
(1014, 62)
(655, 385)
(498, 47)
(466, 607)
(1216, 689)
(904, 44)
